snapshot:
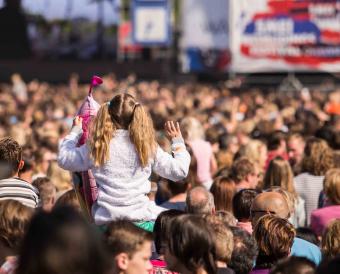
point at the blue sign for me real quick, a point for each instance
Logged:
(151, 24)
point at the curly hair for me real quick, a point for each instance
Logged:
(122, 112)
(331, 185)
(10, 157)
(330, 244)
(244, 252)
(14, 220)
(318, 157)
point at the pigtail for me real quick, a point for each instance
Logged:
(142, 134)
(101, 132)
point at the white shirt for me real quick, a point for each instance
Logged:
(309, 187)
(122, 182)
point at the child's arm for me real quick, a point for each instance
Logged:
(173, 168)
(71, 157)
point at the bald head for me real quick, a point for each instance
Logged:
(200, 201)
(269, 203)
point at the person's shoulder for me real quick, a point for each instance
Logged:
(305, 245)
(325, 210)
(17, 182)
(174, 205)
(301, 176)
(302, 248)
(318, 211)
(300, 201)
(225, 270)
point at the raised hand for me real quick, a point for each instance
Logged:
(77, 121)
(172, 129)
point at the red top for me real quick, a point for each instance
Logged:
(159, 267)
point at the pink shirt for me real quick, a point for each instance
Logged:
(203, 153)
(320, 218)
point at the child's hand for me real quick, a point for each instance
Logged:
(173, 130)
(77, 121)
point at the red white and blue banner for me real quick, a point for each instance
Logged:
(285, 35)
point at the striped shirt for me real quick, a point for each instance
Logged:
(309, 187)
(19, 190)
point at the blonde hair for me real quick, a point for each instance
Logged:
(279, 174)
(332, 185)
(192, 129)
(61, 178)
(330, 243)
(122, 112)
(252, 151)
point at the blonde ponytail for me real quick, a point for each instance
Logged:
(101, 132)
(142, 134)
(122, 113)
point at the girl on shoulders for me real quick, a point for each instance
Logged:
(122, 152)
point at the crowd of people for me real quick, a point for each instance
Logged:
(191, 178)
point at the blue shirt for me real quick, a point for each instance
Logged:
(302, 248)
(176, 205)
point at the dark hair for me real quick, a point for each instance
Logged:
(160, 230)
(10, 157)
(307, 234)
(122, 236)
(62, 242)
(192, 242)
(223, 172)
(28, 158)
(294, 265)
(275, 140)
(242, 202)
(177, 187)
(329, 266)
(244, 252)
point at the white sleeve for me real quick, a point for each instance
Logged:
(173, 168)
(300, 212)
(71, 157)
